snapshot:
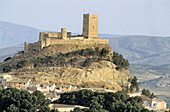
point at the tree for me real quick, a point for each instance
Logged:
(134, 84)
(77, 109)
(96, 107)
(152, 96)
(41, 101)
(12, 99)
(103, 102)
(146, 92)
(6, 68)
(12, 108)
(44, 109)
(54, 110)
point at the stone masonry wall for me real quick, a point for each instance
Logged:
(34, 46)
(51, 41)
(54, 41)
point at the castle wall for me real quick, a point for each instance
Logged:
(53, 34)
(80, 38)
(33, 46)
(26, 46)
(44, 35)
(52, 41)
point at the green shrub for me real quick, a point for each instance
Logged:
(120, 61)
(148, 93)
(104, 52)
(21, 64)
(134, 84)
(97, 51)
(73, 60)
(88, 62)
(6, 68)
(8, 58)
(37, 65)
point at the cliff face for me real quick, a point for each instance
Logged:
(99, 74)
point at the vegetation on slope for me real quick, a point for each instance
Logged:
(78, 58)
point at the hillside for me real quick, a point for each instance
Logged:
(137, 49)
(71, 64)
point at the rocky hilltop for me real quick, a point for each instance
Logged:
(81, 65)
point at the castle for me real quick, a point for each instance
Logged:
(89, 36)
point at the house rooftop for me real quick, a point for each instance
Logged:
(157, 100)
(19, 80)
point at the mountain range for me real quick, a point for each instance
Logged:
(138, 49)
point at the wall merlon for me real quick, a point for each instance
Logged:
(89, 36)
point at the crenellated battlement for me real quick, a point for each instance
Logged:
(89, 36)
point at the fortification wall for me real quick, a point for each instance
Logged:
(26, 46)
(53, 34)
(33, 46)
(52, 41)
(80, 38)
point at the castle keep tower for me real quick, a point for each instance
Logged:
(90, 26)
(64, 33)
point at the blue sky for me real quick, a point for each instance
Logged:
(124, 17)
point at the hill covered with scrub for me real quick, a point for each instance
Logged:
(81, 65)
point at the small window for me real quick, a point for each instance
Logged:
(93, 27)
(19, 82)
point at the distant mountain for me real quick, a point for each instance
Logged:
(137, 49)
(14, 34)
(143, 49)
(10, 51)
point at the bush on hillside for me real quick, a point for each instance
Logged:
(22, 63)
(6, 68)
(134, 84)
(148, 93)
(120, 61)
(8, 58)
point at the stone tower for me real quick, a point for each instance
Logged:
(64, 33)
(90, 26)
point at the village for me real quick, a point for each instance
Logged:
(53, 92)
